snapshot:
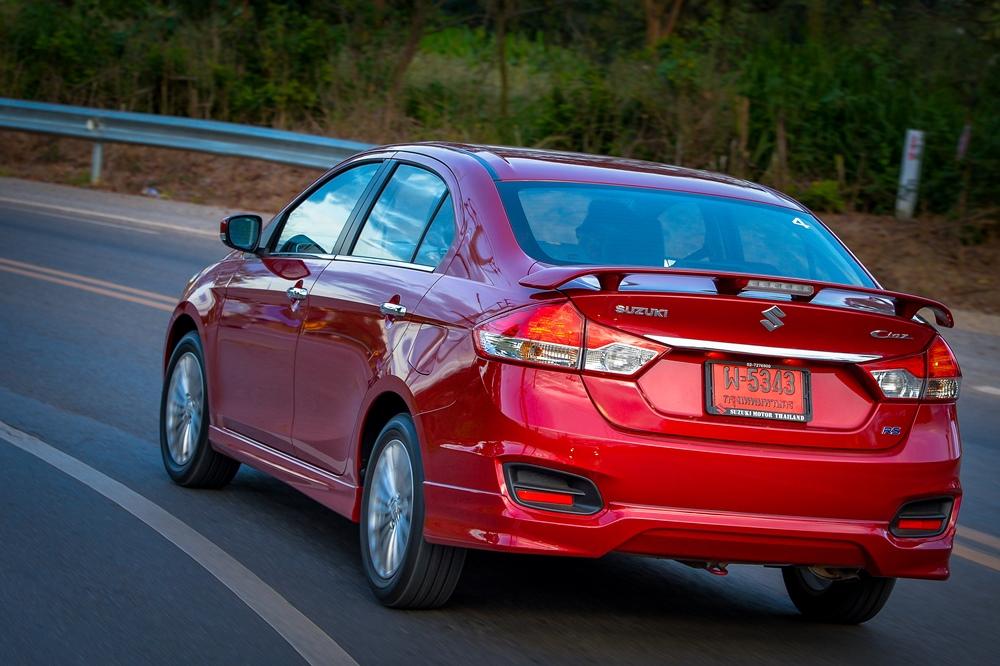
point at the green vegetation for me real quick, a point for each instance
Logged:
(812, 96)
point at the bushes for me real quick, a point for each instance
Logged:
(813, 97)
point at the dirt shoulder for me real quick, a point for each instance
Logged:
(932, 257)
(953, 262)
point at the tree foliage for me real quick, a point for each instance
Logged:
(813, 96)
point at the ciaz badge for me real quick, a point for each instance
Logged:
(883, 334)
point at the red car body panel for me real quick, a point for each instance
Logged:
(290, 390)
(257, 336)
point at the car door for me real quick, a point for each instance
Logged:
(266, 303)
(361, 305)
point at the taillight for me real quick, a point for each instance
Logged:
(930, 375)
(556, 334)
(943, 374)
(901, 378)
(550, 334)
(617, 352)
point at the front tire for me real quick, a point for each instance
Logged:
(187, 455)
(849, 601)
(403, 569)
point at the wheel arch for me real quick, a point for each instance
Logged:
(383, 407)
(182, 324)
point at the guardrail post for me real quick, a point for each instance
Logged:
(97, 154)
(909, 174)
(96, 157)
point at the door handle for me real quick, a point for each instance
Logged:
(297, 293)
(392, 310)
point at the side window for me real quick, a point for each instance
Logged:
(315, 224)
(396, 223)
(437, 240)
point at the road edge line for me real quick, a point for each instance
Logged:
(301, 633)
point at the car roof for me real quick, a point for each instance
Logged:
(505, 163)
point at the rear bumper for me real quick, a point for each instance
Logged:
(677, 497)
(492, 521)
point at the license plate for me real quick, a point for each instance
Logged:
(757, 390)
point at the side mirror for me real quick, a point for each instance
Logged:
(241, 232)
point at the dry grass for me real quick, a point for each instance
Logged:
(953, 262)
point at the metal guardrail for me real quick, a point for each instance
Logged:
(148, 129)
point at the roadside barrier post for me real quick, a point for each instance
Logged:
(909, 174)
(96, 157)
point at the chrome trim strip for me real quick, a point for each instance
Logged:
(301, 255)
(384, 262)
(281, 455)
(760, 350)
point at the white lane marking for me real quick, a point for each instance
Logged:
(315, 646)
(169, 300)
(977, 556)
(979, 537)
(110, 216)
(992, 390)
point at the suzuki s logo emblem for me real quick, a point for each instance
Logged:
(638, 310)
(772, 318)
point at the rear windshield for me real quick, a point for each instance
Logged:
(573, 223)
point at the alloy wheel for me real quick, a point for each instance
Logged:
(390, 509)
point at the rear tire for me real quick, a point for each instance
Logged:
(184, 416)
(850, 601)
(404, 571)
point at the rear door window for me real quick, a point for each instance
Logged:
(412, 220)
(438, 237)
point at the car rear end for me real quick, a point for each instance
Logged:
(684, 389)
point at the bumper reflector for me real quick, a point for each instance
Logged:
(921, 524)
(544, 497)
(924, 518)
(551, 490)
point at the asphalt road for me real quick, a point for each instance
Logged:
(83, 579)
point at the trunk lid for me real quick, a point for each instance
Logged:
(725, 329)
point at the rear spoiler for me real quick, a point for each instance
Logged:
(611, 277)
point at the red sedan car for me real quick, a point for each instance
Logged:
(465, 346)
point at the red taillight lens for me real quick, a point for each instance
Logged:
(931, 375)
(549, 334)
(553, 334)
(941, 362)
(944, 377)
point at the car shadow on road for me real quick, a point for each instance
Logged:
(623, 584)
(619, 608)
